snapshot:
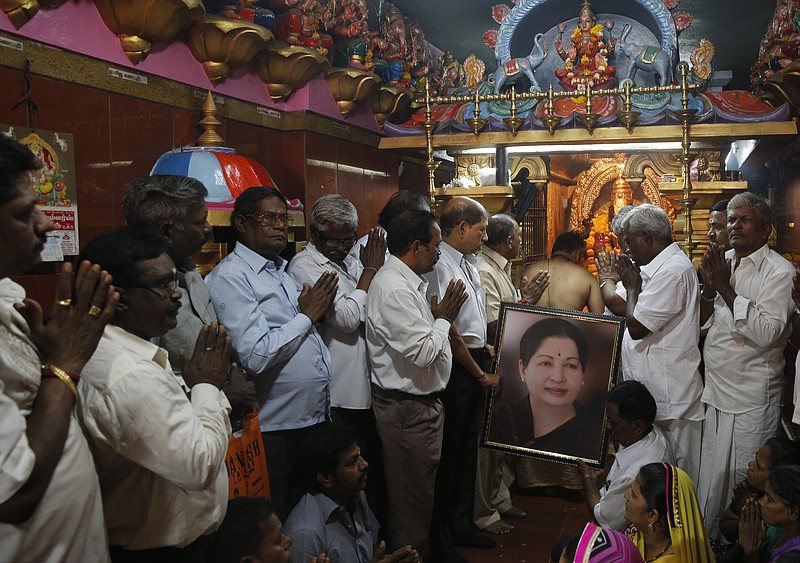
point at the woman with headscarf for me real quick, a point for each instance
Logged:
(600, 545)
(665, 520)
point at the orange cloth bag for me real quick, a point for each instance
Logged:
(246, 461)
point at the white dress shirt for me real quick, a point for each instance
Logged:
(409, 349)
(160, 455)
(471, 319)
(343, 330)
(68, 523)
(610, 511)
(495, 273)
(666, 360)
(743, 350)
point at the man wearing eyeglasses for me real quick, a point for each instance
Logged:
(334, 220)
(159, 443)
(174, 208)
(271, 323)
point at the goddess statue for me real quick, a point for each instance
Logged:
(586, 57)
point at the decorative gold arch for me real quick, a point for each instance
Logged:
(605, 170)
(590, 185)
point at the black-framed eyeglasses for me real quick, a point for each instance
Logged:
(270, 219)
(163, 289)
(337, 242)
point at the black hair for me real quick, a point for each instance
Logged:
(322, 449)
(407, 228)
(570, 544)
(461, 209)
(785, 481)
(721, 205)
(500, 227)
(634, 402)
(242, 530)
(401, 201)
(783, 452)
(15, 160)
(568, 242)
(653, 484)
(246, 204)
(119, 253)
(549, 328)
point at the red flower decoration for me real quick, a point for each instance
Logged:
(499, 12)
(682, 20)
(671, 4)
(490, 38)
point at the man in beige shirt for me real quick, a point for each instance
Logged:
(492, 498)
(571, 286)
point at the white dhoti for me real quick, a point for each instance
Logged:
(685, 438)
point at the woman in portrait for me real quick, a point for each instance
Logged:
(665, 520)
(552, 363)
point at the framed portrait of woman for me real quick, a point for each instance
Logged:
(556, 368)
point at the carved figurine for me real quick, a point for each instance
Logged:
(419, 60)
(649, 58)
(448, 77)
(586, 57)
(511, 71)
(302, 28)
(394, 46)
(247, 10)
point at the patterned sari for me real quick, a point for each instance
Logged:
(598, 545)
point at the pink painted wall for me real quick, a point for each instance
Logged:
(77, 26)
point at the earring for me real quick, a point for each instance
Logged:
(652, 527)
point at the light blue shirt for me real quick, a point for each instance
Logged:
(256, 300)
(318, 525)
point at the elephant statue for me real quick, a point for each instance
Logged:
(649, 58)
(510, 72)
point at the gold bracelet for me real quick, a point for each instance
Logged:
(62, 375)
(708, 299)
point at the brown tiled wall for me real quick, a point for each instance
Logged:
(110, 130)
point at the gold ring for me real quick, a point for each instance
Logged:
(94, 311)
(64, 302)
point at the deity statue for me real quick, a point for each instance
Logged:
(586, 57)
(348, 19)
(247, 10)
(419, 60)
(300, 26)
(394, 46)
(448, 76)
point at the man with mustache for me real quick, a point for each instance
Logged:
(159, 442)
(333, 517)
(745, 306)
(410, 355)
(50, 504)
(174, 208)
(271, 322)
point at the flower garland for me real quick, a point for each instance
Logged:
(585, 75)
